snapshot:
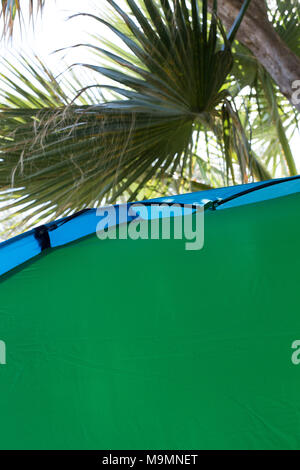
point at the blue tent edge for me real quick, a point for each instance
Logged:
(19, 249)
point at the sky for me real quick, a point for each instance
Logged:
(53, 31)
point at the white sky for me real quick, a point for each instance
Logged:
(54, 31)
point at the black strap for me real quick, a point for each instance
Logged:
(42, 236)
(220, 202)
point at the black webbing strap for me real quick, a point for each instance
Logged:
(42, 236)
(42, 233)
(268, 184)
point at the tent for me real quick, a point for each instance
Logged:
(143, 344)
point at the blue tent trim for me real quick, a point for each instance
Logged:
(22, 248)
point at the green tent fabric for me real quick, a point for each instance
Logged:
(140, 344)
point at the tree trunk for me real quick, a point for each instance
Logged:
(258, 34)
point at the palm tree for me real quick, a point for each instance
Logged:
(11, 9)
(169, 120)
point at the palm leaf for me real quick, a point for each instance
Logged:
(274, 121)
(286, 21)
(12, 9)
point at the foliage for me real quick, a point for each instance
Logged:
(171, 111)
(11, 9)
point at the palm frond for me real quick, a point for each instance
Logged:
(272, 115)
(286, 21)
